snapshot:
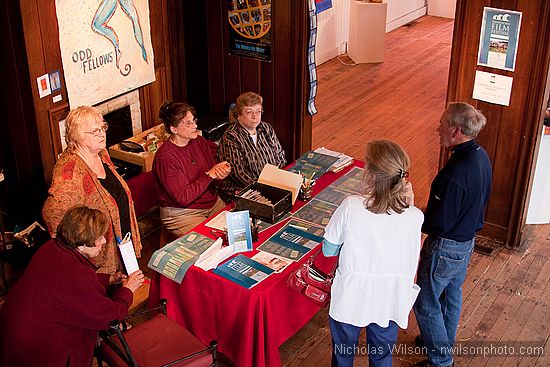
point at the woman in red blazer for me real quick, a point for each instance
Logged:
(52, 315)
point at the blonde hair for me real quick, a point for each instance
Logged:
(385, 177)
(74, 124)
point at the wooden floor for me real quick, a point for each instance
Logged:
(507, 293)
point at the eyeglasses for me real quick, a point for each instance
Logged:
(251, 112)
(98, 130)
(188, 123)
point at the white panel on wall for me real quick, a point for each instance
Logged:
(539, 202)
(326, 47)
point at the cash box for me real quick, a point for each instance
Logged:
(264, 202)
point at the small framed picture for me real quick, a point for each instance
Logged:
(43, 82)
(55, 81)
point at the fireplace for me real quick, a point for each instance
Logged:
(122, 113)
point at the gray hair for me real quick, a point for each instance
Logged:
(466, 117)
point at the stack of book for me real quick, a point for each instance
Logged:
(342, 162)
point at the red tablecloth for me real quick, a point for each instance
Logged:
(248, 324)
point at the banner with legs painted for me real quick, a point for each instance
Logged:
(105, 48)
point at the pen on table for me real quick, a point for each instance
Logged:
(298, 227)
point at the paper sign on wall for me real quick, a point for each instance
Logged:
(492, 88)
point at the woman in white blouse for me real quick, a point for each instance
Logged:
(377, 236)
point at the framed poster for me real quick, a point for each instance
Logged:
(498, 43)
(250, 28)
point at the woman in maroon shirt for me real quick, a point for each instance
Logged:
(185, 168)
(52, 315)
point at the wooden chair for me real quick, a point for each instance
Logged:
(156, 342)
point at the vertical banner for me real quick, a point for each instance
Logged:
(311, 58)
(250, 28)
(105, 48)
(498, 42)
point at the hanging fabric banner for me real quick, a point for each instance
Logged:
(105, 47)
(311, 58)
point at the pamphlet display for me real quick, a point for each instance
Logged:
(349, 184)
(313, 165)
(175, 258)
(293, 241)
(277, 263)
(243, 271)
(316, 211)
(239, 234)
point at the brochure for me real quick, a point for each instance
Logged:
(274, 262)
(239, 235)
(316, 211)
(243, 271)
(347, 185)
(175, 258)
(342, 162)
(128, 254)
(293, 241)
(313, 165)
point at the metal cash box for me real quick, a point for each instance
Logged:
(281, 202)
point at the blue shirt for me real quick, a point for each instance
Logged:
(459, 194)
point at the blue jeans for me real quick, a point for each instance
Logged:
(345, 337)
(441, 272)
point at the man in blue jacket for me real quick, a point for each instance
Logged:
(455, 211)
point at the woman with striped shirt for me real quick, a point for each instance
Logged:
(248, 145)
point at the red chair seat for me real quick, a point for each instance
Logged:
(159, 341)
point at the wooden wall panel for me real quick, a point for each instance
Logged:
(20, 160)
(42, 44)
(511, 132)
(280, 81)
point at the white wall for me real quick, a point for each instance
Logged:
(539, 202)
(333, 24)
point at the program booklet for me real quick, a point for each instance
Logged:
(239, 234)
(293, 241)
(243, 271)
(174, 259)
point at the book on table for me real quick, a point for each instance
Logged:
(243, 271)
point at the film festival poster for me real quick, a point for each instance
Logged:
(498, 42)
(250, 28)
